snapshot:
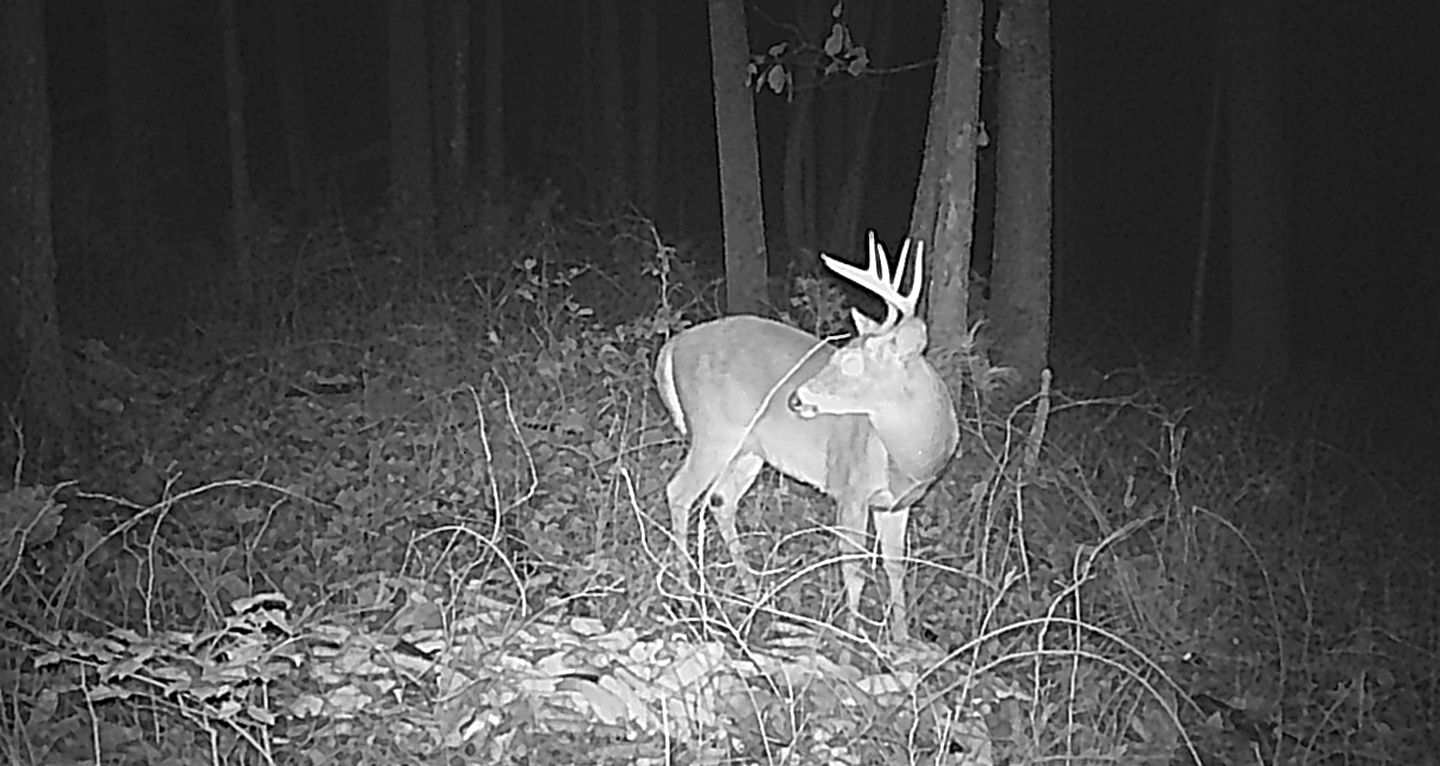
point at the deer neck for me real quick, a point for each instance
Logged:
(919, 431)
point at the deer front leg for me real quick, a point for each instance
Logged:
(890, 528)
(853, 519)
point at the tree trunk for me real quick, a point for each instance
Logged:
(241, 204)
(863, 102)
(616, 182)
(739, 159)
(494, 95)
(1258, 350)
(589, 151)
(133, 32)
(1200, 282)
(1020, 276)
(944, 211)
(412, 166)
(647, 111)
(798, 179)
(290, 76)
(455, 23)
(796, 190)
(32, 364)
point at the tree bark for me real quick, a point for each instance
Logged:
(1020, 276)
(133, 32)
(455, 64)
(796, 188)
(863, 103)
(241, 204)
(1258, 349)
(290, 78)
(494, 95)
(739, 158)
(616, 183)
(591, 152)
(944, 211)
(412, 164)
(647, 111)
(798, 177)
(32, 364)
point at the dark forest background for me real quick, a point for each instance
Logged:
(1132, 88)
(329, 456)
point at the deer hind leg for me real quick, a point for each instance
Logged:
(890, 528)
(722, 482)
(729, 487)
(691, 480)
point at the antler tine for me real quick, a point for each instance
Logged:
(911, 298)
(878, 279)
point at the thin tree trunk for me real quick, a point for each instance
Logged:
(739, 158)
(945, 199)
(456, 37)
(32, 364)
(863, 98)
(612, 107)
(797, 184)
(1020, 276)
(290, 76)
(1258, 347)
(1207, 215)
(133, 32)
(647, 111)
(591, 145)
(412, 164)
(832, 147)
(494, 95)
(796, 189)
(241, 205)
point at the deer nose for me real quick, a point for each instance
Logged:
(801, 408)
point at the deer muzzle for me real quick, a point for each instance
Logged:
(801, 408)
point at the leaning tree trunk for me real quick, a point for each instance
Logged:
(32, 364)
(494, 95)
(455, 41)
(862, 104)
(241, 203)
(1258, 348)
(945, 198)
(798, 188)
(1020, 277)
(134, 31)
(616, 188)
(739, 159)
(412, 164)
(647, 111)
(290, 74)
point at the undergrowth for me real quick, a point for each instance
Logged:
(421, 519)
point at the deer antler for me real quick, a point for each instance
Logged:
(877, 279)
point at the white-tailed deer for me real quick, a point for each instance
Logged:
(870, 424)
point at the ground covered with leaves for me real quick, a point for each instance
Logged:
(416, 515)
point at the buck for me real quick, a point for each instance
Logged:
(870, 424)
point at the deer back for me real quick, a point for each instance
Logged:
(729, 384)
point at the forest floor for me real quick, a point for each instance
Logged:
(420, 519)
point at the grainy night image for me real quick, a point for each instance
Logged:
(719, 381)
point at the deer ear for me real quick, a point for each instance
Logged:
(863, 324)
(909, 339)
